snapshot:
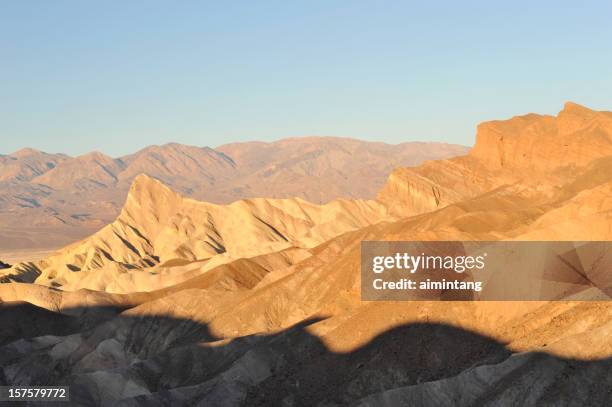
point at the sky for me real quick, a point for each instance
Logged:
(116, 76)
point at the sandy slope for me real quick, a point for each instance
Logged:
(158, 226)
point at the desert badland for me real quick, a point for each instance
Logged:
(50, 200)
(230, 276)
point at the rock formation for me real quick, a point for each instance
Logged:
(530, 150)
(180, 302)
(47, 201)
(158, 227)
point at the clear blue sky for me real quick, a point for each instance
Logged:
(115, 76)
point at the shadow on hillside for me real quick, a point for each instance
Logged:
(22, 320)
(113, 358)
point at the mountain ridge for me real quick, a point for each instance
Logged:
(530, 148)
(78, 195)
(157, 225)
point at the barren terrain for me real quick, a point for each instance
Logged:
(257, 302)
(50, 200)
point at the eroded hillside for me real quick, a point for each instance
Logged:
(182, 302)
(50, 200)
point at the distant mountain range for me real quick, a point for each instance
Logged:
(48, 200)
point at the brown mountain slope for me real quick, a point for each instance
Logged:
(27, 163)
(83, 173)
(75, 196)
(190, 170)
(320, 169)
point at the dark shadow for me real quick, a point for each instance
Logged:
(138, 233)
(272, 228)
(107, 255)
(117, 357)
(128, 244)
(25, 273)
(216, 245)
(24, 320)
